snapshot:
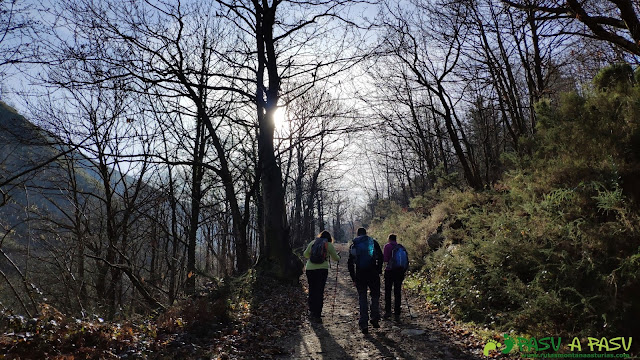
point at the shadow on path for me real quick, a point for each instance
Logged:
(339, 337)
(328, 345)
(389, 348)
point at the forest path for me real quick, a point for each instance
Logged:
(421, 336)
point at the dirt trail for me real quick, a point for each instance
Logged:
(420, 336)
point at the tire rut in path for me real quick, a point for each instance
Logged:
(339, 337)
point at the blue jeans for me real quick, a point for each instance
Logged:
(368, 281)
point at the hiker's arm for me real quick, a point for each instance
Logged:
(307, 252)
(387, 253)
(332, 253)
(350, 264)
(376, 248)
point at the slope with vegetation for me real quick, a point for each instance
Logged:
(34, 163)
(554, 248)
(234, 318)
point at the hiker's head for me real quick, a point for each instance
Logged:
(392, 237)
(325, 235)
(362, 231)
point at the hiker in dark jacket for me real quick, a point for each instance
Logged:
(365, 267)
(393, 278)
(317, 272)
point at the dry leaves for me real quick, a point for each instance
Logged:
(197, 328)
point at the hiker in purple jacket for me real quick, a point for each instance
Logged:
(393, 277)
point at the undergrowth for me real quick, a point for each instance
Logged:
(233, 318)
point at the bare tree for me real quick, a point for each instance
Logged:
(613, 21)
(282, 42)
(310, 147)
(17, 35)
(106, 113)
(427, 44)
(164, 64)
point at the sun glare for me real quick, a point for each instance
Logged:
(279, 117)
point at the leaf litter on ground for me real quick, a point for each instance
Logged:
(246, 331)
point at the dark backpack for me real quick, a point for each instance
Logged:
(399, 258)
(362, 250)
(319, 251)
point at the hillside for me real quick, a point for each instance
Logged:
(553, 248)
(46, 167)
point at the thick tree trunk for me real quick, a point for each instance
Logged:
(278, 260)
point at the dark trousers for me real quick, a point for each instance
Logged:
(317, 279)
(370, 281)
(393, 279)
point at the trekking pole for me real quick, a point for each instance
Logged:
(335, 292)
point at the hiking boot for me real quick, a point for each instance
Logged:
(375, 324)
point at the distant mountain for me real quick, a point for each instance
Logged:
(43, 189)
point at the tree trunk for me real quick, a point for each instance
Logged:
(197, 174)
(279, 261)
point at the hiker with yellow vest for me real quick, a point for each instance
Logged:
(317, 269)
